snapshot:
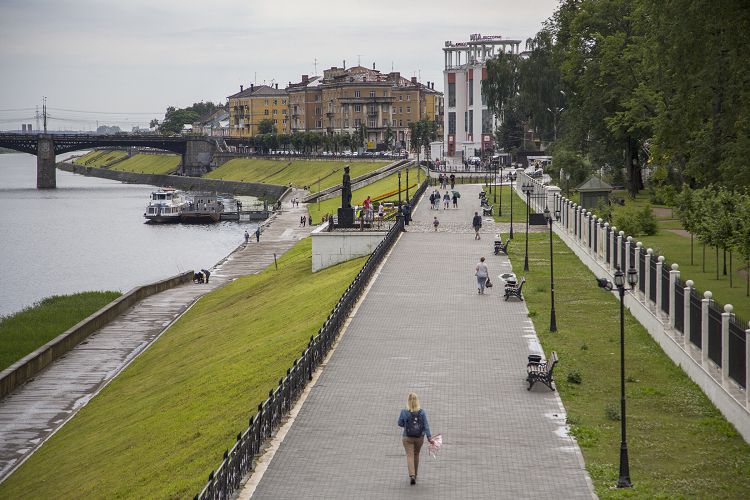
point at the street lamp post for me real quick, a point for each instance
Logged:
(619, 282)
(494, 182)
(500, 207)
(399, 193)
(407, 184)
(511, 176)
(527, 188)
(553, 316)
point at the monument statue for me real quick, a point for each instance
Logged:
(346, 212)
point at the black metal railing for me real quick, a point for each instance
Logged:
(714, 334)
(642, 270)
(679, 306)
(696, 319)
(652, 279)
(665, 276)
(737, 353)
(237, 462)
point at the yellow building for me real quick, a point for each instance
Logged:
(249, 106)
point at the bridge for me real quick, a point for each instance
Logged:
(196, 151)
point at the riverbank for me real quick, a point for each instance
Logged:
(269, 192)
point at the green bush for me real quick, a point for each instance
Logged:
(664, 195)
(636, 222)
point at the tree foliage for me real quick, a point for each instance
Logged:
(175, 119)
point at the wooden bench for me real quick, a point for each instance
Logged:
(499, 247)
(515, 291)
(541, 372)
(487, 210)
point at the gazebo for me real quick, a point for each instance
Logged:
(593, 192)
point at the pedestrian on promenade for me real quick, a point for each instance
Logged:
(381, 214)
(247, 237)
(206, 274)
(482, 274)
(414, 421)
(437, 200)
(446, 200)
(435, 223)
(455, 199)
(257, 234)
(476, 222)
(453, 180)
(432, 200)
(309, 220)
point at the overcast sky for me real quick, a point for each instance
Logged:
(121, 58)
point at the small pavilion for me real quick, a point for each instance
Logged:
(594, 191)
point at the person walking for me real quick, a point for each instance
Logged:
(455, 199)
(257, 234)
(414, 421)
(381, 214)
(437, 200)
(453, 180)
(482, 274)
(435, 223)
(476, 222)
(446, 201)
(432, 200)
(247, 237)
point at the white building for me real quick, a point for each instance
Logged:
(468, 124)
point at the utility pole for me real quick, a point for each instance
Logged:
(44, 112)
(316, 66)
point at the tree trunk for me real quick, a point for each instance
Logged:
(725, 262)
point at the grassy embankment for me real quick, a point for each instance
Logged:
(161, 426)
(23, 332)
(680, 445)
(100, 158)
(149, 164)
(297, 172)
(375, 190)
(674, 245)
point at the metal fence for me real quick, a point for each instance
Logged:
(714, 334)
(679, 306)
(237, 462)
(665, 277)
(696, 319)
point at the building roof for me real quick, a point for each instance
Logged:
(594, 184)
(258, 91)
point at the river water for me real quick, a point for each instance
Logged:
(89, 234)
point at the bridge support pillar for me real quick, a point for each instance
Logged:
(45, 163)
(198, 156)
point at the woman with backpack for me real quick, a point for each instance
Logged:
(414, 421)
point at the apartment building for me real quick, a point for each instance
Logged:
(251, 105)
(347, 100)
(468, 124)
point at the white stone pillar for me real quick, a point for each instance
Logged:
(613, 247)
(628, 242)
(620, 237)
(704, 325)
(686, 310)
(674, 275)
(647, 273)
(659, 271)
(605, 243)
(725, 317)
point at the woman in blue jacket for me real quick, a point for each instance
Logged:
(414, 421)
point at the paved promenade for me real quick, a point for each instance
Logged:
(36, 410)
(422, 327)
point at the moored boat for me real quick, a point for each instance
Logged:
(164, 206)
(201, 208)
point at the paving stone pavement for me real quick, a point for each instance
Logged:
(422, 327)
(40, 407)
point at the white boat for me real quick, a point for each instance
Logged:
(164, 206)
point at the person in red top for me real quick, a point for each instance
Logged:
(367, 205)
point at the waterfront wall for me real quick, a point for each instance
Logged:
(268, 191)
(334, 247)
(28, 366)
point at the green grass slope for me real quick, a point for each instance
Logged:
(680, 446)
(149, 164)
(23, 332)
(99, 158)
(297, 172)
(161, 426)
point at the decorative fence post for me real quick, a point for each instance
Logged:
(726, 316)
(647, 269)
(659, 268)
(628, 264)
(606, 243)
(615, 244)
(686, 309)
(704, 325)
(674, 275)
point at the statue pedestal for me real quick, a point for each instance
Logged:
(346, 217)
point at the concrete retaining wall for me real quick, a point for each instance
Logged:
(28, 366)
(331, 248)
(269, 191)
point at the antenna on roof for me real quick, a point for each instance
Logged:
(316, 66)
(359, 59)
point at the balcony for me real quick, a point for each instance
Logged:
(366, 100)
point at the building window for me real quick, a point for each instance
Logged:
(275, 102)
(318, 111)
(466, 121)
(372, 123)
(319, 124)
(345, 109)
(451, 122)
(373, 108)
(385, 123)
(470, 90)
(357, 108)
(276, 122)
(356, 93)
(471, 121)
(283, 111)
(275, 111)
(346, 123)
(484, 97)
(408, 97)
(283, 121)
(265, 112)
(401, 123)
(385, 93)
(486, 121)
(451, 95)
(283, 101)
(295, 109)
(408, 109)
(357, 123)
(372, 93)
(266, 102)
(400, 109)
(401, 98)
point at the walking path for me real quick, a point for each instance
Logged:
(422, 327)
(33, 412)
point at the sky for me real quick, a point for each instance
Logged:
(123, 62)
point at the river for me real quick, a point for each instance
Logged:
(89, 234)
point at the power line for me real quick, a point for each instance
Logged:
(107, 112)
